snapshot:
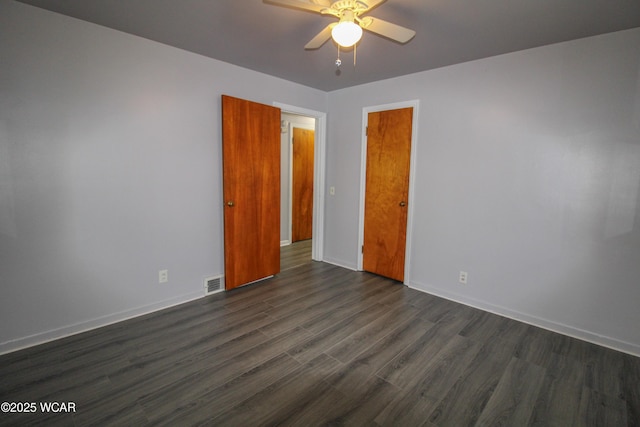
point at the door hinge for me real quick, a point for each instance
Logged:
(362, 249)
(366, 131)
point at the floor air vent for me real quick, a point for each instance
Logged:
(213, 285)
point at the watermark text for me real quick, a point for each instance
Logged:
(37, 407)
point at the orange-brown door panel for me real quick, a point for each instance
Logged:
(302, 184)
(251, 190)
(387, 192)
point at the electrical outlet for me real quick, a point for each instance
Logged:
(163, 276)
(332, 191)
(462, 278)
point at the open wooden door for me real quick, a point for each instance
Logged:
(302, 184)
(387, 192)
(251, 190)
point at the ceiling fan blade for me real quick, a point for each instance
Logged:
(387, 29)
(321, 38)
(297, 4)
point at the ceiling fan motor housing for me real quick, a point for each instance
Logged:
(341, 6)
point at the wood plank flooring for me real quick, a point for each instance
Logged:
(322, 345)
(295, 254)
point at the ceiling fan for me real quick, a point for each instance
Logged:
(348, 30)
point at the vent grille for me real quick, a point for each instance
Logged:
(213, 285)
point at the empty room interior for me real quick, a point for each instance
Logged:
(220, 213)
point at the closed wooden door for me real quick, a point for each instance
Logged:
(302, 184)
(387, 192)
(251, 189)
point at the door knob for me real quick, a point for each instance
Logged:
(403, 203)
(230, 203)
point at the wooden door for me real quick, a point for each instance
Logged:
(251, 189)
(302, 184)
(387, 192)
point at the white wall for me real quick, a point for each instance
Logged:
(527, 177)
(110, 170)
(290, 121)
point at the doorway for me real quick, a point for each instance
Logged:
(294, 117)
(250, 222)
(386, 193)
(297, 189)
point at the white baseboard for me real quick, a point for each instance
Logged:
(54, 334)
(285, 242)
(340, 264)
(66, 331)
(604, 341)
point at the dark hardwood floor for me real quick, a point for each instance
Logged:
(295, 254)
(318, 345)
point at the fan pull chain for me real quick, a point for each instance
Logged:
(355, 50)
(339, 61)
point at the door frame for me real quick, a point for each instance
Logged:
(319, 160)
(363, 176)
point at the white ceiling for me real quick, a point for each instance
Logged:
(271, 39)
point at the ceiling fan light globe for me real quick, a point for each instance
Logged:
(346, 33)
